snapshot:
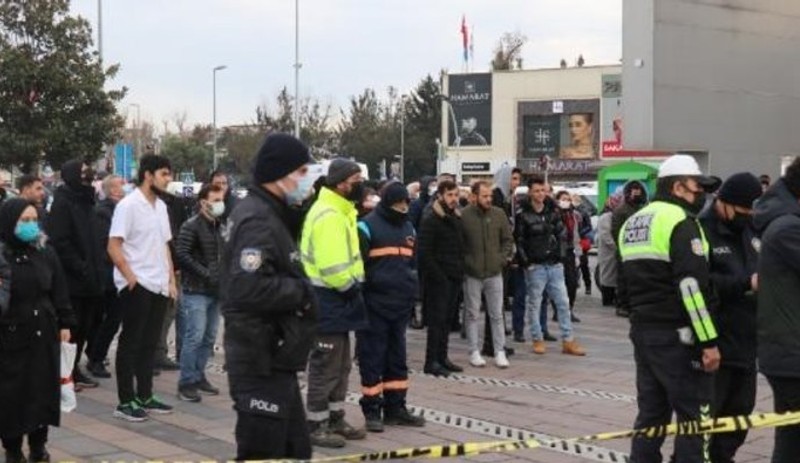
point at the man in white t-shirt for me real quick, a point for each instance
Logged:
(144, 277)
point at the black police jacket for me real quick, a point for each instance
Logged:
(387, 247)
(733, 259)
(198, 250)
(539, 235)
(267, 301)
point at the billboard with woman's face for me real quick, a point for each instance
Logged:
(565, 129)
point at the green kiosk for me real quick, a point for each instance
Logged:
(617, 175)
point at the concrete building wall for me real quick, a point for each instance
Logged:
(509, 88)
(717, 75)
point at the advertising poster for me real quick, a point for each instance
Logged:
(569, 135)
(471, 102)
(611, 108)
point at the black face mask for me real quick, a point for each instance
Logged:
(740, 222)
(356, 192)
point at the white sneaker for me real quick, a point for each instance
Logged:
(476, 360)
(500, 360)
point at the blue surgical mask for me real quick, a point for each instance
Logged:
(304, 187)
(27, 232)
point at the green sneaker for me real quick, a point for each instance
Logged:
(155, 405)
(130, 411)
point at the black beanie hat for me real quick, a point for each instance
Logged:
(393, 193)
(340, 170)
(279, 155)
(740, 189)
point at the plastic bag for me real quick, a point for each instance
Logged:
(68, 400)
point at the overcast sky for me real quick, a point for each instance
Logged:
(167, 49)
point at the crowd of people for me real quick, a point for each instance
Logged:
(300, 268)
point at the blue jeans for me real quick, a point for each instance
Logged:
(199, 322)
(550, 278)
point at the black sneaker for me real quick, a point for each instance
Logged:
(15, 456)
(189, 393)
(131, 411)
(39, 455)
(85, 382)
(154, 405)
(98, 370)
(549, 337)
(204, 387)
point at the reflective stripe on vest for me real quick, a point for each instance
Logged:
(391, 251)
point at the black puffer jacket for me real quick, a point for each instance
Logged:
(72, 230)
(777, 216)
(539, 235)
(198, 250)
(441, 241)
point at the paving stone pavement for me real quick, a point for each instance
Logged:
(550, 395)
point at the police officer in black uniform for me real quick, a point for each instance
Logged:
(268, 306)
(665, 260)
(734, 259)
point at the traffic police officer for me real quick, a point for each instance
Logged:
(269, 306)
(734, 259)
(665, 260)
(387, 244)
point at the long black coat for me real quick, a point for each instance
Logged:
(29, 344)
(72, 226)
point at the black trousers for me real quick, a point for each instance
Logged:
(442, 306)
(382, 364)
(142, 318)
(734, 394)
(98, 348)
(270, 421)
(668, 380)
(570, 276)
(585, 272)
(609, 295)
(36, 441)
(786, 395)
(86, 311)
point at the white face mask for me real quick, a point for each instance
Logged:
(217, 209)
(432, 190)
(564, 204)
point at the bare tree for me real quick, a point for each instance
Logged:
(509, 51)
(179, 119)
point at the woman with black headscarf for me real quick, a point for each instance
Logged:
(39, 316)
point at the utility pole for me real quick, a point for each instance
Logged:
(214, 110)
(297, 66)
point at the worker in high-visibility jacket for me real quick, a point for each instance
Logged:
(665, 259)
(387, 244)
(332, 260)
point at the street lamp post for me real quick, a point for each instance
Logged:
(214, 78)
(100, 29)
(297, 66)
(402, 139)
(137, 128)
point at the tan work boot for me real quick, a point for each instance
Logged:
(572, 348)
(539, 347)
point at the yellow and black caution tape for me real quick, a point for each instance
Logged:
(466, 449)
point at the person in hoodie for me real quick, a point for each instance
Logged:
(73, 233)
(777, 217)
(387, 241)
(734, 256)
(635, 198)
(607, 264)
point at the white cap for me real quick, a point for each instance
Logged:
(683, 165)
